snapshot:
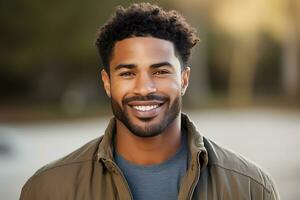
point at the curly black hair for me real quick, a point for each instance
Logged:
(145, 19)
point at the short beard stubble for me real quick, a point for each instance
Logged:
(148, 130)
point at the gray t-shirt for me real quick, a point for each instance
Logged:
(160, 181)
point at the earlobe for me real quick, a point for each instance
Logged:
(185, 78)
(106, 82)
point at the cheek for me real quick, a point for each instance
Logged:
(170, 87)
(119, 90)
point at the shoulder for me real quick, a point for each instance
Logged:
(84, 154)
(62, 171)
(235, 167)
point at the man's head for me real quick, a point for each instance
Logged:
(144, 50)
(144, 20)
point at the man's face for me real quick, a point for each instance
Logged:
(145, 84)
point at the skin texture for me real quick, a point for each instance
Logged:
(145, 71)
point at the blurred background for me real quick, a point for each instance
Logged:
(244, 91)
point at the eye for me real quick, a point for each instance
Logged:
(161, 72)
(126, 74)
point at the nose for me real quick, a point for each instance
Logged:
(144, 85)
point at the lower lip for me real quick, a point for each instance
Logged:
(147, 114)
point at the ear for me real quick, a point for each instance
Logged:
(106, 82)
(185, 79)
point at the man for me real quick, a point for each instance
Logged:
(150, 150)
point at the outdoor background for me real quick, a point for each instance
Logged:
(244, 91)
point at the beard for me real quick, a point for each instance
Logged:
(147, 129)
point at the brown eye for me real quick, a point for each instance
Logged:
(127, 74)
(161, 72)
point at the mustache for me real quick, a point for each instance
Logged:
(145, 98)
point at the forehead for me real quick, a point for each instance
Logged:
(143, 51)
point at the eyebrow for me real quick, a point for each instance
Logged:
(127, 66)
(131, 66)
(157, 65)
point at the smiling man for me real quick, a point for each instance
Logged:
(145, 86)
(150, 149)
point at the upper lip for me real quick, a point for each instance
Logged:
(145, 103)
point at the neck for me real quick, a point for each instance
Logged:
(149, 150)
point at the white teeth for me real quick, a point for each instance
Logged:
(145, 108)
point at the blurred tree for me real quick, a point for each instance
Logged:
(291, 50)
(47, 44)
(245, 22)
(237, 20)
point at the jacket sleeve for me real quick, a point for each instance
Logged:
(26, 193)
(34, 189)
(273, 194)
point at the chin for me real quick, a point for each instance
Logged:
(150, 127)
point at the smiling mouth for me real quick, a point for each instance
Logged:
(146, 107)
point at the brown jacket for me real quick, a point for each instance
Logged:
(90, 173)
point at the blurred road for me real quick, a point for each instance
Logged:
(269, 138)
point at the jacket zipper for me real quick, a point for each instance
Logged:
(196, 179)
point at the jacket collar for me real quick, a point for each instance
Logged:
(195, 142)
